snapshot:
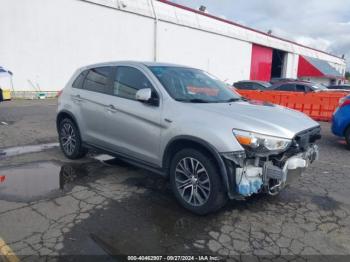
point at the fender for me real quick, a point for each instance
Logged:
(70, 115)
(212, 150)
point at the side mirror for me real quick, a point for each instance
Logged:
(144, 95)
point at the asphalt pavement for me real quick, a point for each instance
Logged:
(104, 207)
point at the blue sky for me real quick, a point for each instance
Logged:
(322, 24)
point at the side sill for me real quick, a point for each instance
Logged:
(129, 159)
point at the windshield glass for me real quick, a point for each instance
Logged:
(193, 85)
(319, 87)
(265, 84)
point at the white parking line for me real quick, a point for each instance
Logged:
(20, 150)
(7, 253)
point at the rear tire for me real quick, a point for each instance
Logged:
(196, 182)
(70, 139)
(347, 137)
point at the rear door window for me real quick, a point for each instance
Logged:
(128, 81)
(255, 86)
(301, 88)
(238, 85)
(249, 86)
(244, 86)
(286, 87)
(97, 80)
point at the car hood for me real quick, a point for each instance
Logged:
(259, 117)
(335, 90)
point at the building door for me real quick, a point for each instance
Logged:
(278, 64)
(261, 63)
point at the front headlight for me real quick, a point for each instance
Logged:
(259, 142)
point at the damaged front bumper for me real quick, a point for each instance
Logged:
(291, 170)
(267, 174)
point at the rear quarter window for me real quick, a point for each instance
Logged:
(79, 80)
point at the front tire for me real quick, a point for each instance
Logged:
(70, 140)
(196, 182)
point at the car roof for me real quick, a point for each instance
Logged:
(283, 78)
(148, 64)
(253, 81)
(163, 64)
(293, 82)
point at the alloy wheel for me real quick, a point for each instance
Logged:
(68, 138)
(192, 181)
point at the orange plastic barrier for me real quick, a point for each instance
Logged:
(320, 105)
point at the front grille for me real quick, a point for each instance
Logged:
(305, 138)
(301, 143)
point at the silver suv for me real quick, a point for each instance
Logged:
(185, 124)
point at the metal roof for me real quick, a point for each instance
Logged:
(324, 67)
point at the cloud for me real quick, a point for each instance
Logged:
(320, 24)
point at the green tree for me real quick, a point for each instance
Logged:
(347, 75)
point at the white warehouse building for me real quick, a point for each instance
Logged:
(43, 42)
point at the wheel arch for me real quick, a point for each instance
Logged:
(181, 142)
(66, 114)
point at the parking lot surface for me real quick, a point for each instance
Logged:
(52, 206)
(27, 122)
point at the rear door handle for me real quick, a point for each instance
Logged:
(77, 98)
(111, 108)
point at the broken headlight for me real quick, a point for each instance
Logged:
(261, 143)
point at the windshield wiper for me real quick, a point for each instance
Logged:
(195, 100)
(198, 100)
(236, 99)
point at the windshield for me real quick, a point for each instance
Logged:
(319, 87)
(265, 84)
(193, 85)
